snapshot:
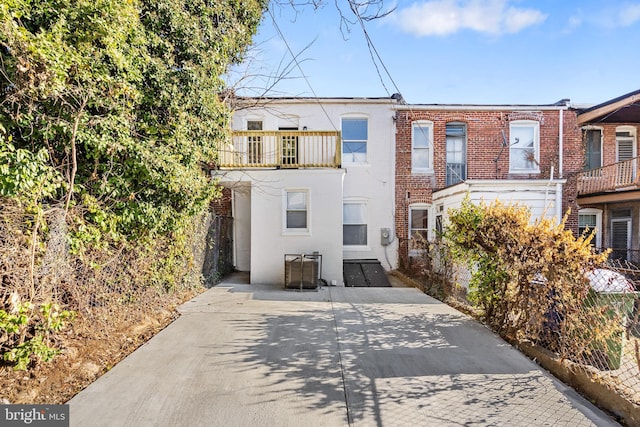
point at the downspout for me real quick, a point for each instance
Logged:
(560, 142)
(233, 228)
(560, 162)
(559, 201)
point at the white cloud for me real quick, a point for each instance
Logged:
(629, 14)
(442, 17)
(615, 16)
(574, 22)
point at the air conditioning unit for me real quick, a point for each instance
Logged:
(302, 271)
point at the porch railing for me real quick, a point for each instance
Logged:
(281, 149)
(617, 176)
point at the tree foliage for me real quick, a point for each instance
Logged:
(109, 117)
(122, 95)
(529, 277)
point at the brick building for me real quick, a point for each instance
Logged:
(527, 154)
(608, 190)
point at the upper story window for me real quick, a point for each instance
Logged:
(422, 147)
(296, 212)
(625, 143)
(593, 148)
(456, 152)
(524, 143)
(355, 133)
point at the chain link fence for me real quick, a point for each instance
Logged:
(218, 256)
(608, 353)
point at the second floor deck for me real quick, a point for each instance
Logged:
(281, 149)
(616, 177)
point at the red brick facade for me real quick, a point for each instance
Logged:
(222, 205)
(486, 156)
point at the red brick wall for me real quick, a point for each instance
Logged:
(573, 162)
(222, 205)
(486, 156)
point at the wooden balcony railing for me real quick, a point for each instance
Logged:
(614, 177)
(281, 149)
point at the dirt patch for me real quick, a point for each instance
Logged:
(90, 349)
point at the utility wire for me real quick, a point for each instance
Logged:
(295, 59)
(372, 50)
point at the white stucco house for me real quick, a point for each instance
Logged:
(310, 176)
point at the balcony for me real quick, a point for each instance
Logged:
(615, 177)
(288, 149)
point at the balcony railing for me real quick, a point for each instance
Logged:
(281, 149)
(618, 176)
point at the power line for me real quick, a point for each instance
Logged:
(295, 59)
(372, 50)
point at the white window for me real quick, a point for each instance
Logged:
(625, 143)
(354, 220)
(591, 219)
(355, 133)
(296, 211)
(418, 227)
(422, 147)
(524, 143)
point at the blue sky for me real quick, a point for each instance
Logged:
(453, 51)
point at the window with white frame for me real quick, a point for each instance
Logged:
(418, 227)
(593, 148)
(296, 210)
(355, 133)
(625, 143)
(590, 220)
(524, 144)
(354, 224)
(422, 147)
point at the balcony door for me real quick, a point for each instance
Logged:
(254, 143)
(456, 153)
(289, 147)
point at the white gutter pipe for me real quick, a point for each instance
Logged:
(560, 141)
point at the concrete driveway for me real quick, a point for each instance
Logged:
(246, 355)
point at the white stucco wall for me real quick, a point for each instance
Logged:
(371, 182)
(269, 239)
(241, 207)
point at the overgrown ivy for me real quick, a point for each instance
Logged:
(109, 117)
(122, 95)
